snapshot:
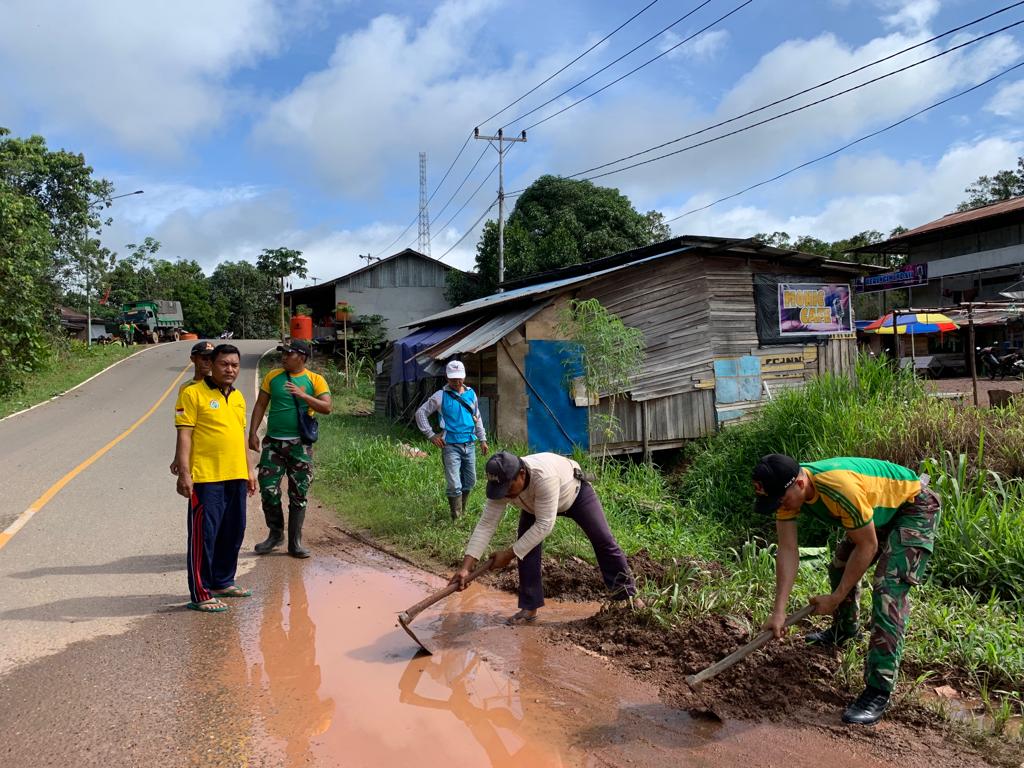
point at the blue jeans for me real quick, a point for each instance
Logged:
(459, 468)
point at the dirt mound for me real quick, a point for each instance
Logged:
(575, 580)
(768, 685)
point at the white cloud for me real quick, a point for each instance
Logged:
(910, 15)
(702, 48)
(151, 76)
(1008, 100)
(874, 192)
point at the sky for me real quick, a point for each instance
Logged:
(255, 124)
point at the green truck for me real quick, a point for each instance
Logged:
(156, 320)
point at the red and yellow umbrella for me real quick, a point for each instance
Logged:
(913, 323)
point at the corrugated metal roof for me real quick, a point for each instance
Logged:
(946, 222)
(517, 294)
(487, 334)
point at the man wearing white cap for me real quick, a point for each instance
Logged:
(460, 426)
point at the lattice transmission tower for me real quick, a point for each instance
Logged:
(424, 237)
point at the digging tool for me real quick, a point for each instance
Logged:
(409, 614)
(742, 653)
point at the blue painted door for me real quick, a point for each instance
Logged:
(553, 421)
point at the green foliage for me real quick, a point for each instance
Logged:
(986, 190)
(185, 281)
(555, 223)
(280, 264)
(250, 297)
(611, 354)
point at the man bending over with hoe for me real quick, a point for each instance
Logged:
(890, 516)
(542, 487)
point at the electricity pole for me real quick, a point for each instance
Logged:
(501, 150)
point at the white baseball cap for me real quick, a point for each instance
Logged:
(455, 370)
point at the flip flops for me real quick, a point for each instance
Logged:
(233, 591)
(213, 605)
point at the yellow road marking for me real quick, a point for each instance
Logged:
(54, 489)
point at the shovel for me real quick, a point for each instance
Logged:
(742, 653)
(409, 614)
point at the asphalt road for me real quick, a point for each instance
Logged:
(109, 546)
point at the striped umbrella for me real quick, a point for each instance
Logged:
(913, 323)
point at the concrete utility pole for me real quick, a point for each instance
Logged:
(501, 150)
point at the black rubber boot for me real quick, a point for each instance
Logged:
(465, 502)
(830, 637)
(295, 521)
(868, 708)
(455, 506)
(274, 540)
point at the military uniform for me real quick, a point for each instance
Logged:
(854, 492)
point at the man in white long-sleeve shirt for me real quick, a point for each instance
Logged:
(542, 487)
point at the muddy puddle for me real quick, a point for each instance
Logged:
(332, 681)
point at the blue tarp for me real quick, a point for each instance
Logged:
(403, 365)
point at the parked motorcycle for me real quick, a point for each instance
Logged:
(1001, 366)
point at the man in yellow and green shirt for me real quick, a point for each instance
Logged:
(284, 391)
(214, 474)
(889, 516)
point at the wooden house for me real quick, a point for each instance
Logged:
(727, 323)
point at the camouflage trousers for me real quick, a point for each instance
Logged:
(904, 547)
(280, 458)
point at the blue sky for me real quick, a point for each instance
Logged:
(255, 123)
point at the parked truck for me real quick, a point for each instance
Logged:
(156, 320)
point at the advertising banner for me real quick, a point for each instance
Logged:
(814, 309)
(910, 276)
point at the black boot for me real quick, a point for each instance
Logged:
(830, 637)
(274, 540)
(295, 520)
(275, 522)
(465, 502)
(455, 506)
(868, 708)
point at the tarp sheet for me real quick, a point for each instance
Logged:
(403, 363)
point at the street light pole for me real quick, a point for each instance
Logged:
(88, 270)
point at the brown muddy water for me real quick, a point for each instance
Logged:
(333, 681)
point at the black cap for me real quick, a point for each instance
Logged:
(204, 348)
(295, 345)
(772, 476)
(502, 469)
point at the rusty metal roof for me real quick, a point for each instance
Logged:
(949, 221)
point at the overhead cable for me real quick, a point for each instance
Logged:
(602, 69)
(834, 152)
(560, 71)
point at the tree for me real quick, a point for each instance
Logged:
(991, 189)
(250, 298)
(281, 263)
(556, 223)
(184, 281)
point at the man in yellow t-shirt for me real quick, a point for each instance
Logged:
(284, 391)
(202, 361)
(214, 473)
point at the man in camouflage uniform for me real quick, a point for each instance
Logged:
(890, 517)
(284, 390)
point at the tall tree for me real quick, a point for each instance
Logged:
(555, 223)
(281, 263)
(986, 190)
(250, 297)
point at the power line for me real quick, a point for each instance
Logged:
(773, 118)
(560, 71)
(798, 93)
(637, 69)
(470, 198)
(602, 69)
(468, 231)
(464, 180)
(801, 108)
(871, 135)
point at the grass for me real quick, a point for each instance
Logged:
(71, 365)
(967, 621)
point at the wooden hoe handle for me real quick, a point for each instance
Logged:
(410, 613)
(738, 655)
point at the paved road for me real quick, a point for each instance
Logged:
(109, 546)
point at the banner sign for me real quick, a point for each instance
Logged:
(910, 276)
(814, 309)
